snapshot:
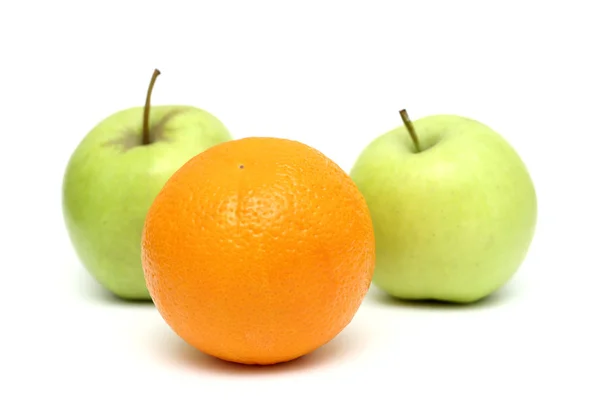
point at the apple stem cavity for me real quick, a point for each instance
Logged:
(146, 139)
(411, 129)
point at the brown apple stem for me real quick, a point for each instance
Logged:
(146, 139)
(411, 129)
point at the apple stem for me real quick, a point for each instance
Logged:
(146, 139)
(411, 129)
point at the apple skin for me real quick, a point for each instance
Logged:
(111, 180)
(452, 223)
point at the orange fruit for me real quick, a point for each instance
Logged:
(258, 250)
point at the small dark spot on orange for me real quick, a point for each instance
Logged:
(241, 166)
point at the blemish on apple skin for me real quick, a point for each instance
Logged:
(131, 137)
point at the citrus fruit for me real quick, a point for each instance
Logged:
(258, 250)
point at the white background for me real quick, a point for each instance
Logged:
(333, 75)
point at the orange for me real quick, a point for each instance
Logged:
(258, 250)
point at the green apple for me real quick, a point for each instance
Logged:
(453, 206)
(113, 177)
